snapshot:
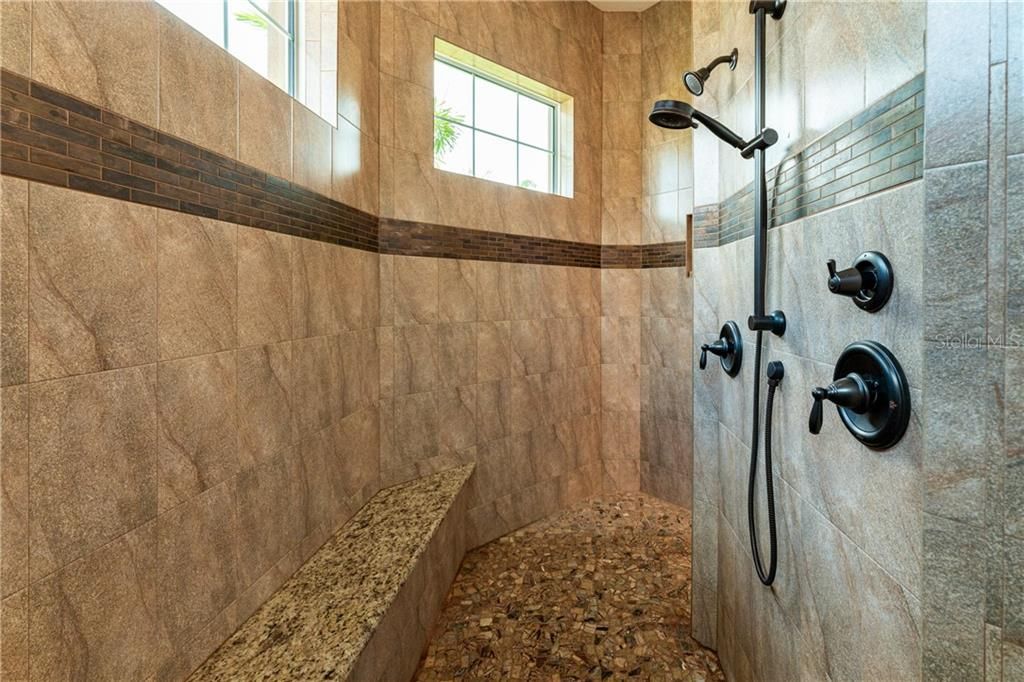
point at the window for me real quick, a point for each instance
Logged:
(289, 42)
(497, 125)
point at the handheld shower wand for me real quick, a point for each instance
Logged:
(676, 115)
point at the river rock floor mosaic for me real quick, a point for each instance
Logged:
(600, 591)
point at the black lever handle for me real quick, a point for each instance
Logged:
(814, 423)
(852, 392)
(721, 348)
(848, 282)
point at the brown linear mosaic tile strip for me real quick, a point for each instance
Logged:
(621, 256)
(407, 238)
(50, 137)
(665, 255)
(53, 138)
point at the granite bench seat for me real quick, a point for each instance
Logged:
(362, 606)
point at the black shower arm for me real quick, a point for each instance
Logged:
(719, 129)
(766, 138)
(724, 59)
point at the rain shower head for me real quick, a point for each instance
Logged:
(694, 80)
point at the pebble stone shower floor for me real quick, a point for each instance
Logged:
(600, 591)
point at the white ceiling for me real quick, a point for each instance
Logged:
(623, 5)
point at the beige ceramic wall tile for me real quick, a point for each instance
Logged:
(197, 285)
(195, 556)
(316, 297)
(414, 122)
(264, 286)
(93, 298)
(264, 124)
(413, 48)
(198, 88)
(311, 150)
(621, 81)
(316, 380)
(415, 359)
(622, 32)
(661, 167)
(358, 84)
(198, 436)
(14, 618)
(493, 351)
(457, 287)
(456, 354)
(622, 124)
(14, 269)
(16, 35)
(93, 472)
(14, 505)
(416, 290)
(622, 221)
(102, 52)
(413, 182)
(622, 174)
(620, 292)
(358, 272)
(621, 475)
(662, 219)
(270, 506)
(265, 394)
(100, 614)
(356, 168)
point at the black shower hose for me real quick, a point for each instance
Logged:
(767, 578)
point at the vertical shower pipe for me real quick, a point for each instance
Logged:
(759, 321)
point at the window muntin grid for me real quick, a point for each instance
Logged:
(495, 146)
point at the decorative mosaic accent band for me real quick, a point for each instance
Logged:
(59, 140)
(705, 226)
(408, 238)
(879, 148)
(622, 256)
(53, 138)
(664, 255)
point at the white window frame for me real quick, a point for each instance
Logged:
(553, 184)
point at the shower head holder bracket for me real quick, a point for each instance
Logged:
(728, 348)
(871, 394)
(774, 8)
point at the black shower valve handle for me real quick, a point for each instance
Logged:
(848, 282)
(814, 422)
(853, 392)
(721, 348)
